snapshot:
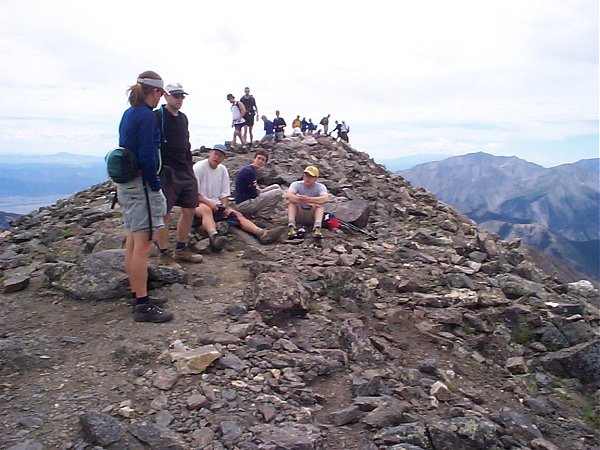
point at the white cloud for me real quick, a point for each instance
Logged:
(407, 76)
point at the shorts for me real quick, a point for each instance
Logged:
(279, 135)
(180, 188)
(239, 126)
(249, 119)
(268, 137)
(135, 208)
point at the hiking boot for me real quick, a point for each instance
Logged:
(157, 301)
(166, 259)
(270, 236)
(187, 255)
(292, 232)
(317, 233)
(218, 243)
(147, 312)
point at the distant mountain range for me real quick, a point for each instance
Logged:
(553, 209)
(30, 181)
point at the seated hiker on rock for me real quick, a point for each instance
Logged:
(306, 198)
(213, 193)
(251, 200)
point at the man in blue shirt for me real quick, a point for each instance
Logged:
(250, 200)
(269, 130)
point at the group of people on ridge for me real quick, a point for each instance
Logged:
(167, 177)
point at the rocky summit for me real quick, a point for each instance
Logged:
(410, 329)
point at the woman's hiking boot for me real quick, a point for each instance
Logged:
(148, 312)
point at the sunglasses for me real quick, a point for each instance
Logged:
(178, 96)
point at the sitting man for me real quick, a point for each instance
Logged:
(306, 198)
(249, 199)
(213, 193)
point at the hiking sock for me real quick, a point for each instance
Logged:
(291, 223)
(180, 245)
(259, 232)
(142, 300)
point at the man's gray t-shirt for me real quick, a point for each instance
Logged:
(316, 190)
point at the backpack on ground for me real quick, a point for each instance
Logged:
(121, 165)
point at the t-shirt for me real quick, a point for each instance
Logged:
(249, 103)
(213, 184)
(175, 143)
(316, 190)
(244, 184)
(236, 114)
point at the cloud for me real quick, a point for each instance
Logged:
(407, 76)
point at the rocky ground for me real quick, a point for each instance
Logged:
(434, 335)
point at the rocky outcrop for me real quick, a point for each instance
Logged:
(432, 335)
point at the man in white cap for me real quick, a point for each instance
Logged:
(306, 198)
(177, 176)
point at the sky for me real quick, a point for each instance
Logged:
(410, 78)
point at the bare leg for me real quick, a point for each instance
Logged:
(162, 235)
(184, 225)
(137, 252)
(292, 212)
(208, 221)
(318, 212)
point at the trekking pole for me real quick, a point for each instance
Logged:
(352, 227)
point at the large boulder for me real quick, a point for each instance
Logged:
(277, 296)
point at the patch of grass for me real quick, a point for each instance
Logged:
(66, 233)
(591, 415)
(522, 333)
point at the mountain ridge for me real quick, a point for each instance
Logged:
(564, 200)
(435, 334)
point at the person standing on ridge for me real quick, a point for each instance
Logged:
(343, 132)
(279, 124)
(176, 177)
(251, 112)
(325, 122)
(143, 203)
(238, 111)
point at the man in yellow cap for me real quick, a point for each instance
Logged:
(306, 198)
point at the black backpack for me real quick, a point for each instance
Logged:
(122, 165)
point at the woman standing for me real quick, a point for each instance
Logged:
(141, 199)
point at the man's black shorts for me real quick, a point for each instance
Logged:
(249, 117)
(180, 188)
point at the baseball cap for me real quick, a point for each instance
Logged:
(312, 171)
(175, 88)
(220, 147)
(230, 96)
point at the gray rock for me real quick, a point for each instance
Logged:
(350, 414)
(464, 433)
(289, 436)
(156, 437)
(516, 424)
(577, 332)
(388, 413)
(277, 296)
(414, 433)
(581, 361)
(101, 429)
(357, 343)
(15, 283)
(29, 444)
